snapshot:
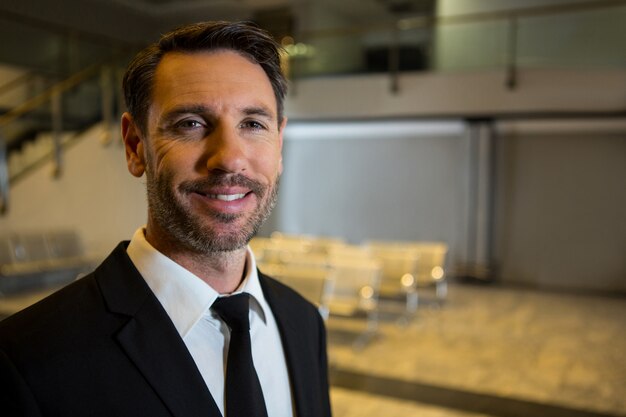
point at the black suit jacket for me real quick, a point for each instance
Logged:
(104, 346)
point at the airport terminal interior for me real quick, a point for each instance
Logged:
(452, 198)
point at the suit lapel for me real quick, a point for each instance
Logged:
(151, 341)
(301, 356)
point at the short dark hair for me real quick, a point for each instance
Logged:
(243, 37)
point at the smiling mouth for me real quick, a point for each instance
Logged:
(226, 197)
(226, 188)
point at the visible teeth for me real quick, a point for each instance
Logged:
(226, 197)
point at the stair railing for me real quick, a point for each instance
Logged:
(53, 96)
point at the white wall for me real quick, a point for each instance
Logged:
(95, 196)
(374, 180)
(560, 218)
(558, 222)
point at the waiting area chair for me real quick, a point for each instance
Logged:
(399, 266)
(431, 270)
(312, 281)
(355, 293)
(341, 287)
(36, 260)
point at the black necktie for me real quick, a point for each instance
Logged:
(244, 397)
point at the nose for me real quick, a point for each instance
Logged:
(225, 151)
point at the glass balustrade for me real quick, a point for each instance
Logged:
(589, 38)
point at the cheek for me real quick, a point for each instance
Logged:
(270, 166)
(174, 160)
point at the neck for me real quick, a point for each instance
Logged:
(223, 271)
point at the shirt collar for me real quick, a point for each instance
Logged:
(183, 295)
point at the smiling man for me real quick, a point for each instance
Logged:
(212, 160)
(178, 321)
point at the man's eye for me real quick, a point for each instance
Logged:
(252, 124)
(188, 124)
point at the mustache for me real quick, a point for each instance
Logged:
(224, 180)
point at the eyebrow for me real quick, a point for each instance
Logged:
(259, 111)
(185, 109)
(201, 109)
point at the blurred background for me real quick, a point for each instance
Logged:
(453, 195)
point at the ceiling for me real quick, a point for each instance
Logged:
(360, 12)
(160, 7)
(144, 20)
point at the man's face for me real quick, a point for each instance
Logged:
(212, 151)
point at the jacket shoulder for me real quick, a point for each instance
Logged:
(56, 307)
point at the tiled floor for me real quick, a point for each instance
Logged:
(560, 354)
(488, 351)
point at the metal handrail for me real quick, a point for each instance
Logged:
(16, 82)
(51, 95)
(62, 86)
(4, 177)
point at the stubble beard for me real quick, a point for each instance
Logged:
(190, 229)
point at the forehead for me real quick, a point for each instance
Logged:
(223, 75)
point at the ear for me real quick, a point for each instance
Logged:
(134, 145)
(281, 131)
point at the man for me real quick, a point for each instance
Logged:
(142, 335)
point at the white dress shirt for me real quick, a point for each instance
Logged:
(187, 300)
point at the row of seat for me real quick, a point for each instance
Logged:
(349, 280)
(39, 246)
(38, 259)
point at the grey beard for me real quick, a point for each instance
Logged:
(186, 229)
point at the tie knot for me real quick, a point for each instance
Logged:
(234, 310)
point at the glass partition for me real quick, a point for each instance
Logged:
(556, 37)
(471, 46)
(585, 40)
